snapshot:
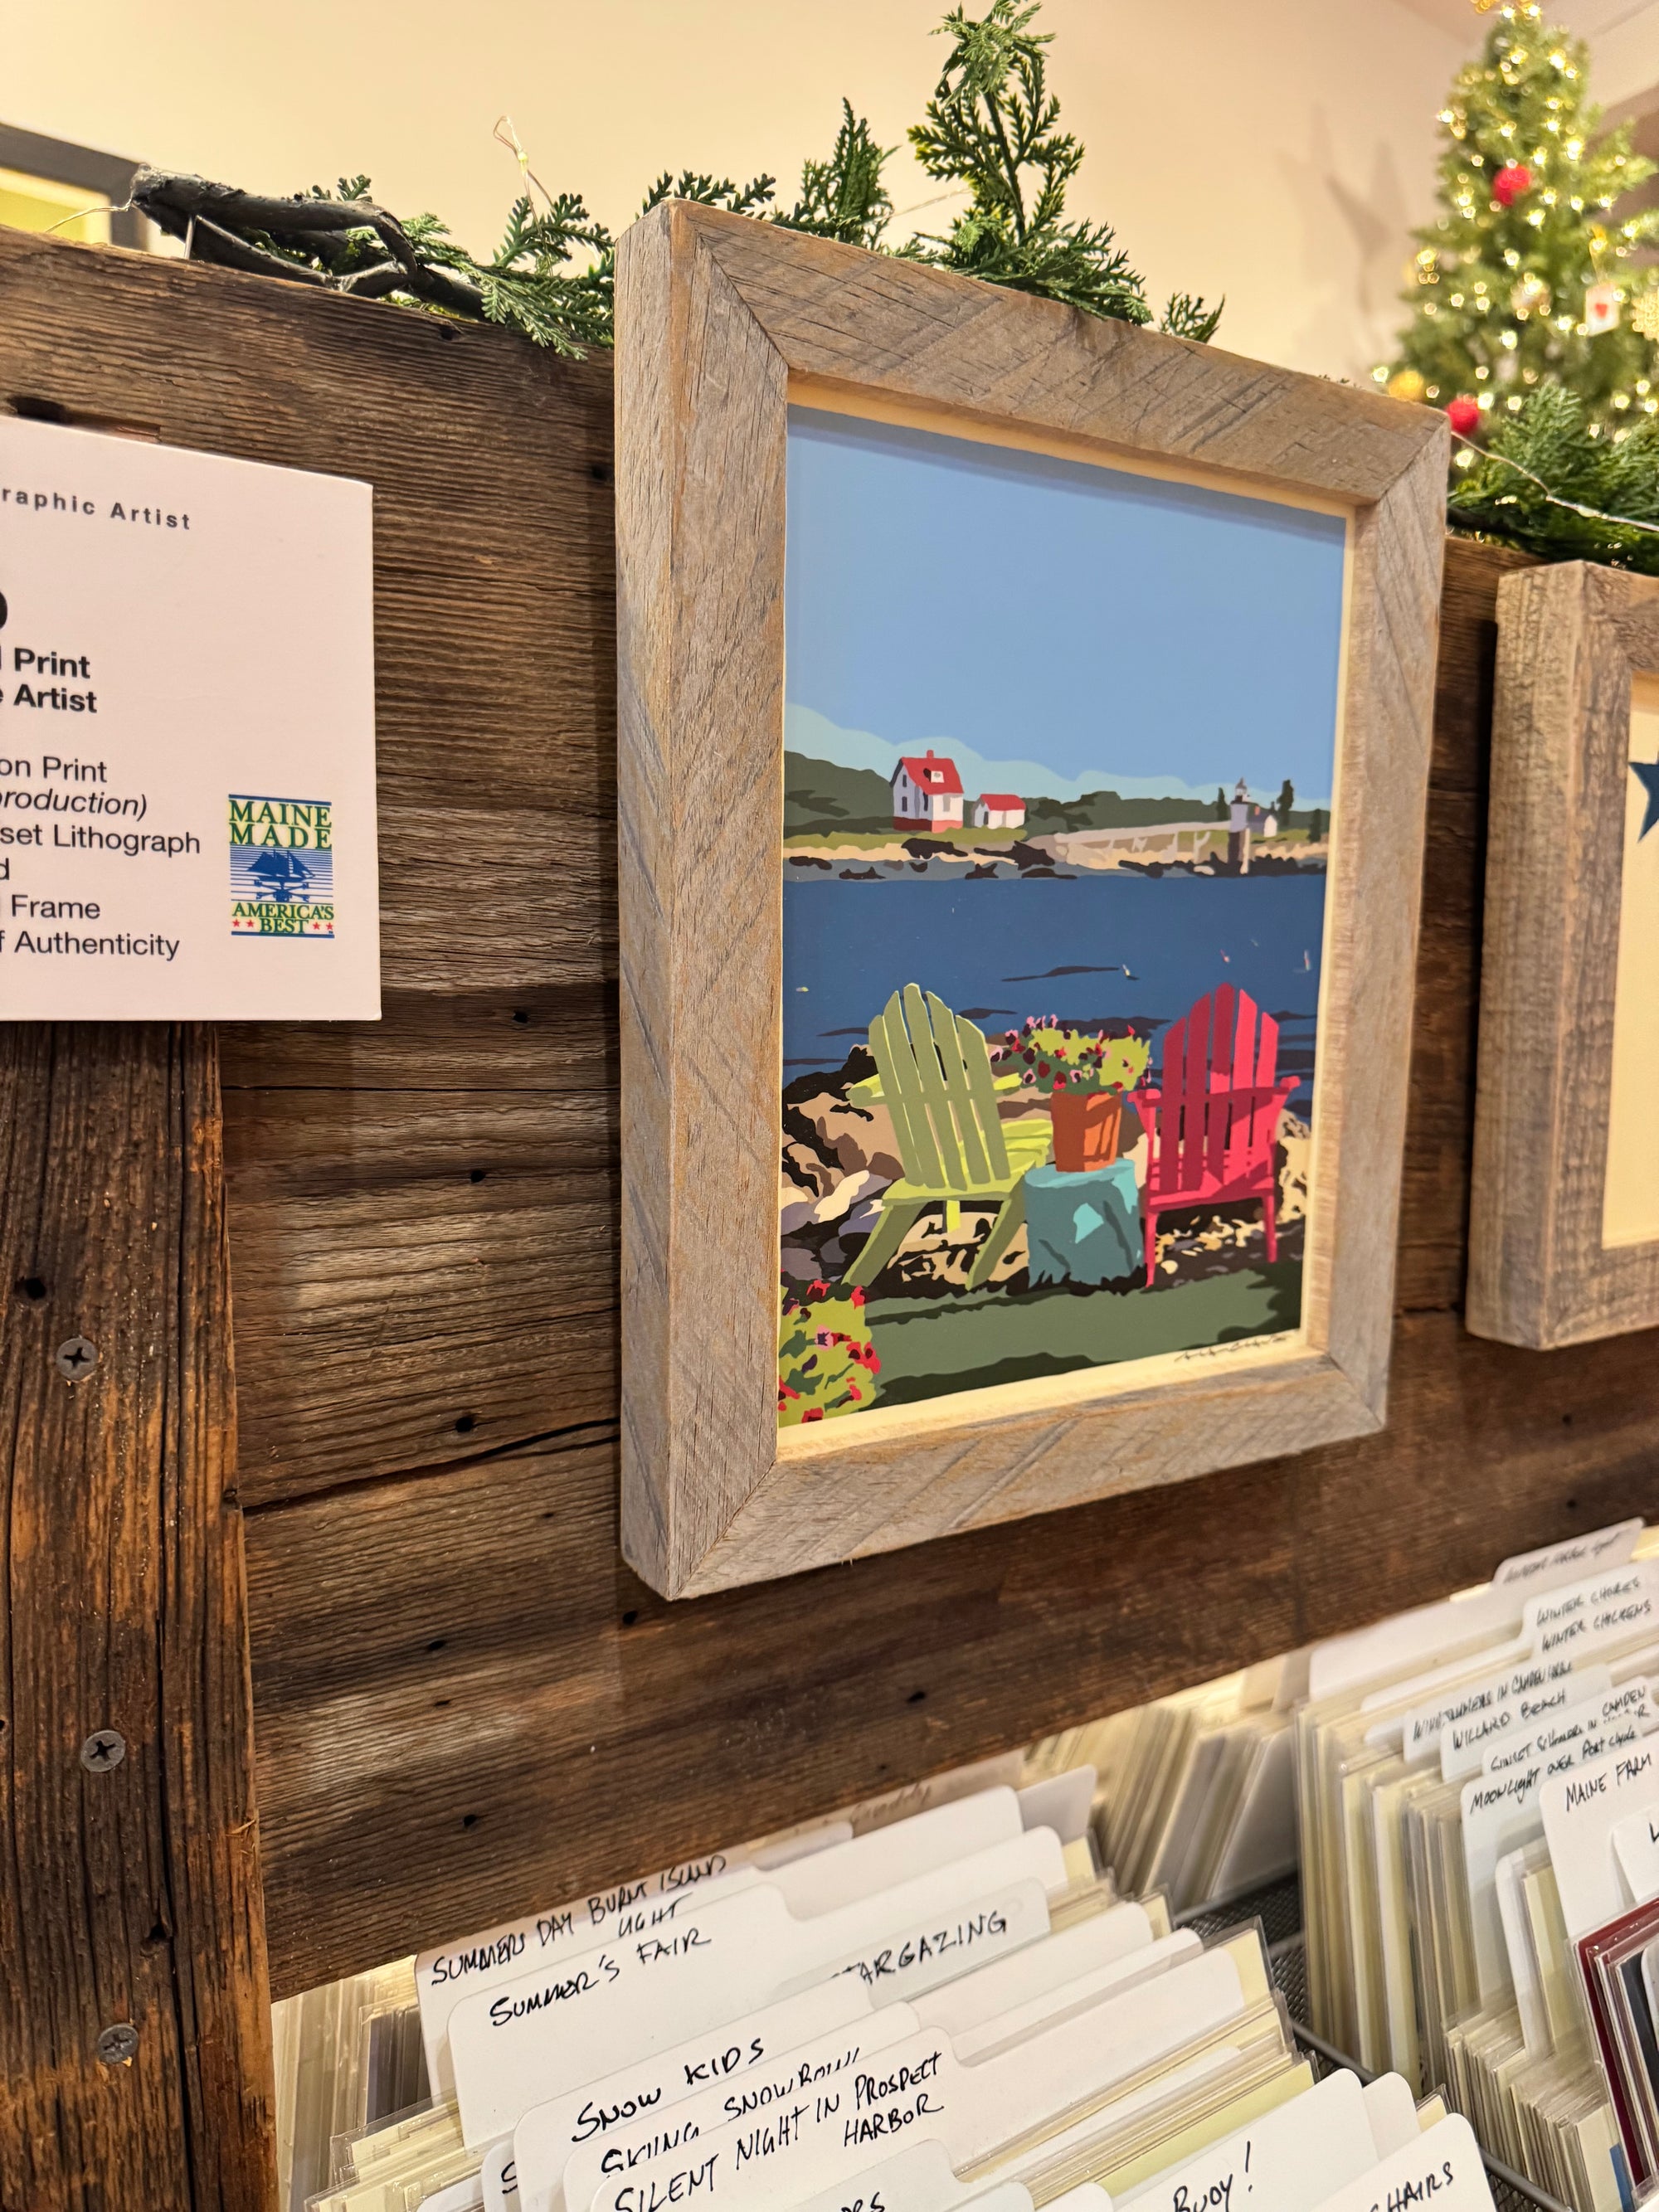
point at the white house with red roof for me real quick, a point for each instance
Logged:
(999, 810)
(926, 792)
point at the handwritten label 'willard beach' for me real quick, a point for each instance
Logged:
(512, 2048)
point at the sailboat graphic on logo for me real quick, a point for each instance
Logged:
(282, 867)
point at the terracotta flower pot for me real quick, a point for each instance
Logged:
(1086, 1127)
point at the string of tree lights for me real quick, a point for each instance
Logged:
(1527, 276)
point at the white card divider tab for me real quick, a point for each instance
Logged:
(1391, 2108)
(1120, 1932)
(1636, 1853)
(1577, 1724)
(1288, 2158)
(500, 2179)
(1062, 1802)
(1502, 1811)
(815, 2068)
(465, 2195)
(1425, 1725)
(562, 2164)
(585, 2016)
(816, 1882)
(920, 2179)
(1423, 1637)
(784, 1850)
(1580, 1811)
(919, 2088)
(1578, 1555)
(547, 2135)
(1582, 1614)
(895, 1969)
(1442, 2168)
(1069, 1998)
(1464, 1743)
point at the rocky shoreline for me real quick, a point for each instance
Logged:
(1060, 856)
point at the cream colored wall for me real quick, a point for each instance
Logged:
(1277, 152)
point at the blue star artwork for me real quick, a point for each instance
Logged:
(1647, 772)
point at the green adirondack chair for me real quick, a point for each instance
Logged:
(936, 1084)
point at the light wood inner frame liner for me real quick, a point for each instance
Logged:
(1570, 641)
(718, 316)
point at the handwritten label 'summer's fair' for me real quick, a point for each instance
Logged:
(511, 2049)
(815, 1880)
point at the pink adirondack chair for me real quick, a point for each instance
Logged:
(1213, 1123)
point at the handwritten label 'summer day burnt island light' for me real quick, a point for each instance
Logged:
(1024, 749)
(186, 795)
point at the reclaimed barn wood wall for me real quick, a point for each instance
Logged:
(463, 1705)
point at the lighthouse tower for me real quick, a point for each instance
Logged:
(1239, 831)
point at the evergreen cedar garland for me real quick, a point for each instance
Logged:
(992, 125)
(1528, 184)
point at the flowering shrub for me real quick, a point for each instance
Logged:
(1050, 1058)
(827, 1363)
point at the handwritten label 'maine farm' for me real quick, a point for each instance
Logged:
(1580, 1811)
(546, 2033)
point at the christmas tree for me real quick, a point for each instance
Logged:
(1527, 279)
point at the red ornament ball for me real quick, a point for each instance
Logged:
(1514, 178)
(1464, 415)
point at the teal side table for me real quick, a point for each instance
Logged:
(1083, 1227)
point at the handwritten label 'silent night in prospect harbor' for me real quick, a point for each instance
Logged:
(186, 736)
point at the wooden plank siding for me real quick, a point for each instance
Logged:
(463, 1705)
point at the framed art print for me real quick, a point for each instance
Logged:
(1024, 731)
(1564, 1221)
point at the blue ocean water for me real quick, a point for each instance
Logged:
(1111, 946)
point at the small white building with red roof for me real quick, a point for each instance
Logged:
(999, 810)
(926, 792)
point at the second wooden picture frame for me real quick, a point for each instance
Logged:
(1563, 1210)
(1259, 550)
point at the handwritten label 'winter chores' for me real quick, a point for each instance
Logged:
(538, 2037)
(186, 792)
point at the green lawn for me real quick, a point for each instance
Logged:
(968, 1340)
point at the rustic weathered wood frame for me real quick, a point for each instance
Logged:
(721, 321)
(1571, 638)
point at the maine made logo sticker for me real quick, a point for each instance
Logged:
(282, 867)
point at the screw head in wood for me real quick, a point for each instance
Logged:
(118, 2045)
(103, 1749)
(76, 1357)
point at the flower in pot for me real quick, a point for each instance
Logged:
(1083, 1076)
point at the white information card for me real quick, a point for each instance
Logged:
(186, 736)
